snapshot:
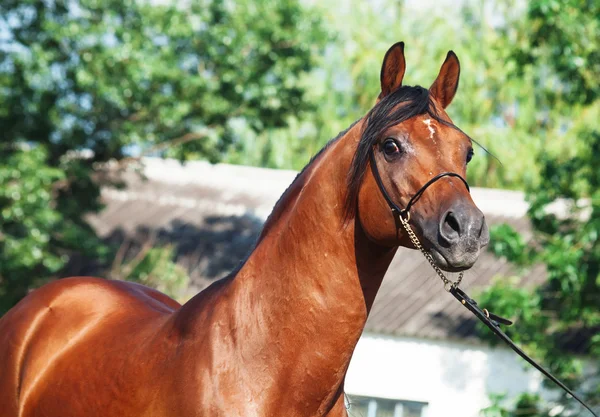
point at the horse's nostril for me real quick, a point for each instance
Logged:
(449, 228)
(451, 222)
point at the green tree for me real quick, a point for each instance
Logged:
(152, 266)
(526, 406)
(87, 81)
(559, 46)
(28, 220)
(347, 82)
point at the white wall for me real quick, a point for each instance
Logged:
(453, 378)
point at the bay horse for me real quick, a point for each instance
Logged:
(275, 337)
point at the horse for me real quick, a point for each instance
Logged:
(275, 337)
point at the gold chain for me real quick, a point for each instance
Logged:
(447, 283)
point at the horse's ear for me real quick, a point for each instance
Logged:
(392, 70)
(444, 87)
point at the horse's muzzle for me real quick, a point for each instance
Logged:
(459, 236)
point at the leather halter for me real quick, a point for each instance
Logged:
(492, 321)
(418, 194)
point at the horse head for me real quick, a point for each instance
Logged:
(418, 160)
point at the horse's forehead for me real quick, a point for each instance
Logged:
(422, 128)
(427, 129)
(428, 137)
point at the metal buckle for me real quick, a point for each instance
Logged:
(401, 213)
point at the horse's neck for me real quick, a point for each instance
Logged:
(309, 284)
(307, 246)
(300, 302)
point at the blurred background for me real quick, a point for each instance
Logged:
(113, 115)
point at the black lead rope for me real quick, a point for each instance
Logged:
(492, 321)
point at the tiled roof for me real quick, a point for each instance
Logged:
(213, 214)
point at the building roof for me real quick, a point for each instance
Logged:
(213, 214)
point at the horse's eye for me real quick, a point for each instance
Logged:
(469, 155)
(390, 147)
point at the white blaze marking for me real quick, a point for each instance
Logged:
(430, 127)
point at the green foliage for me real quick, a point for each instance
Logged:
(508, 243)
(526, 405)
(495, 409)
(155, 267)
(27, 222)
(36, 237)
(563, 35)
(510, 299)
(87, 81)
(561, 46)
(104, 75)
(499, 110)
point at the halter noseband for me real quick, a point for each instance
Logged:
(393, 206)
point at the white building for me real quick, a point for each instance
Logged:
(419, 355)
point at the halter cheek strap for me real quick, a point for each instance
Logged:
(402, 218)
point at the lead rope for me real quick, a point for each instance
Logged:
(492, 321)
(415, 241)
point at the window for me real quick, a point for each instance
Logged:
(380, 407)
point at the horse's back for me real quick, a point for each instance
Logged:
(64, 328)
